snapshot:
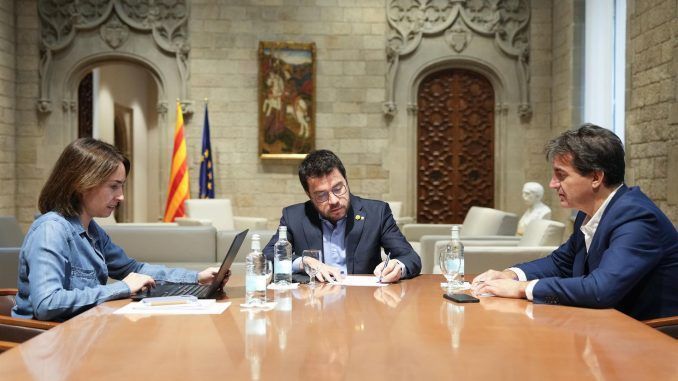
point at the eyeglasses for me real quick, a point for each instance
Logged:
(338, 190)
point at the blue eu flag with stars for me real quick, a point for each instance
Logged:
(206, 167)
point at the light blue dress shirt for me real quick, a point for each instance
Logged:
(334, 243)
(334, 246)
(63, 269)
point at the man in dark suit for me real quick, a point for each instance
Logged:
(624, 250)
(348, 229)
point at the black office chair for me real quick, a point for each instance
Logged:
(14, 331)
(667, 325)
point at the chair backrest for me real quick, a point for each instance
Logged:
(14, 331)
(9, 266)
(481, 221)
(7, 297)
(543, 233)
(110, 220)
(667, 325)
(13, 335)
(165, 244)
(10, 232)
(218, 210)
(396, 208)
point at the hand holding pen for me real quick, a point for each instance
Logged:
(381, 275)
(388, 271)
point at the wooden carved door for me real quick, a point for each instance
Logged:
(85, 106)
(455, 145)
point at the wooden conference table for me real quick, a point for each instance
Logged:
(403, 331)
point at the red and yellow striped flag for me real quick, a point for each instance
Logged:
(178, 184)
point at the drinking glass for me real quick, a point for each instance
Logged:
(269, 272)
(310, 266)
(450, 263)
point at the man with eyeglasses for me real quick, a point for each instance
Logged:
(348, 229)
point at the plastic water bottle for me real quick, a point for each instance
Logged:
(255, 278)
(282, 254)
(458, 248)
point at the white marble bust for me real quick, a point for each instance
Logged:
(536, 209)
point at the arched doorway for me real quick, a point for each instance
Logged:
(117, 103)
(455, 145)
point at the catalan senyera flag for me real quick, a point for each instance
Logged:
(206, 167)
(178, 184)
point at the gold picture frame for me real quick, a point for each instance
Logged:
(287, 73)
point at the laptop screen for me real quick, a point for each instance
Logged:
(228, 259)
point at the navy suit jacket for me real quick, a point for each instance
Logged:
(365, 237)
(632, 264)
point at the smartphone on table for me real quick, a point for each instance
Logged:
(461, 298)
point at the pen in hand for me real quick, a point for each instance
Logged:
(388, 258)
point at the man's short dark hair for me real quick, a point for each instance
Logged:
(592, 148)
(317, 164)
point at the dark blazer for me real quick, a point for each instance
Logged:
(365, 236)
(632, 264)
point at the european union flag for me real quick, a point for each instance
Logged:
(206, 167)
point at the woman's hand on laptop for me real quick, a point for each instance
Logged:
(137, 282)
(208, 275)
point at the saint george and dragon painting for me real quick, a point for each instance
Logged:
(286, 99)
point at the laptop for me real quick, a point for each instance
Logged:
(198, 290)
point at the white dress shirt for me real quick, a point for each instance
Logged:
(588, 228)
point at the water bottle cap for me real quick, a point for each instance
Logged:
(256, 245)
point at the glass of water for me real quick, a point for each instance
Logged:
(450, 264)
(311, 259)
(269, 272)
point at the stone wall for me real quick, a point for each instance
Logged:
(29, 179)
(542, 34)
(566, 65)
(7, 109)
(652, 108)
(349, 37)
(351, 69)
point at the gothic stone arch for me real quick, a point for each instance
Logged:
(77, 36)
(477, 36)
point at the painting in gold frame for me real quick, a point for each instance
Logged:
(286, 99)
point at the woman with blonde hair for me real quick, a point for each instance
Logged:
(66, 257)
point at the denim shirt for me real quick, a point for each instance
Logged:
(63, 269)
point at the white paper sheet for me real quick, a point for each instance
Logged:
(371, 281)
(464, 287)
(202, 307)
(258, 307)
(275, 286)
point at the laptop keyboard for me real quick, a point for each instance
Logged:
(172, 289)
